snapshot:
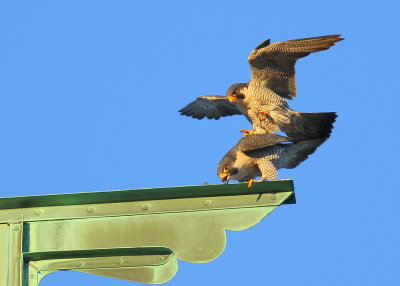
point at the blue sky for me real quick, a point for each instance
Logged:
(90, 92)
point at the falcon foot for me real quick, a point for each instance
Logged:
(247, 132)
(265, 113)
(251, 182)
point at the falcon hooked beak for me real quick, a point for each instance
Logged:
(232, 98)
(225, 175)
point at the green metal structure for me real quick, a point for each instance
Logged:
(135, 235)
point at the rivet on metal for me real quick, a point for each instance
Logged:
(146, 207)
(161, 258)
(16, 228)
(42, 267)
(207, 202)
(31, 276)
(119, 261)
(78, 264)
(274, 197)
(90, 209)
(38, 212)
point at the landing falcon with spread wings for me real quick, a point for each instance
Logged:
(263, 99)
(262, 155)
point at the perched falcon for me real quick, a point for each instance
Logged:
(262, 155)
(263, 99)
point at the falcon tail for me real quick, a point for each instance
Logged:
(313, 125)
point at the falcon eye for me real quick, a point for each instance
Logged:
(240, 96)
(225, 170)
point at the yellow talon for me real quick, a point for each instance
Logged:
(247, 132)
(251, 182)
(266, 115)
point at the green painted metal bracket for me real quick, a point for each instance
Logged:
(136, 235)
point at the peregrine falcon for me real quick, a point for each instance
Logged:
(262, 155)
(263, 99)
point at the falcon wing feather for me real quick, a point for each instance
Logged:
(274, 63)
(210, 106)
(258, 141)
(294, 154)
(285, 155)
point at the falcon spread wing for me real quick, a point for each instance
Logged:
(274, 63)
(210, 106)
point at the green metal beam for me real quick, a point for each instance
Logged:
(136, 235)
(147, 194)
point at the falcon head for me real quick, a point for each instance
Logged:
(236, 92)
(225, 169)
